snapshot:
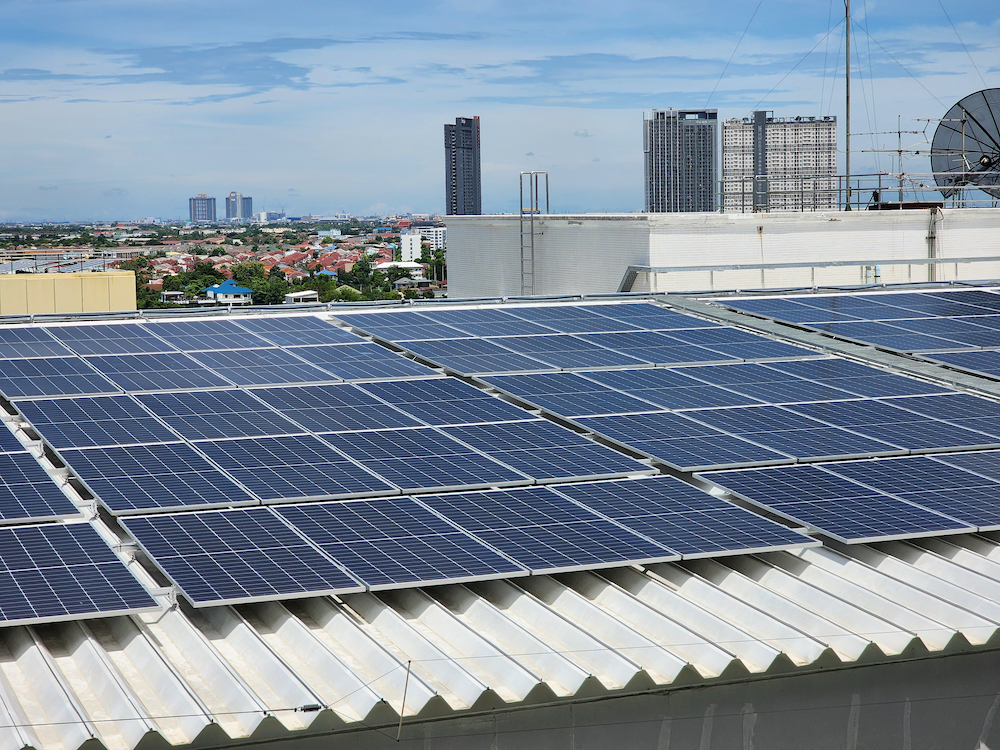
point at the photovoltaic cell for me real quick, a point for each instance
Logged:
(334, 408)
(566, 351)
(237, 556)
(56, 376)
(292, 467)
(671, 389)
(486, 322)
(986, 362)
(298, 330)
(423, 458)
(475, 356)
(207, 335)
(396, 542)
(653, 348)
(683, 518)
(120, 338)
(28, 492)
(361, 361)
(170, 476)
(156, 372)
(85, 422)
(59, 571)
(546, 532)
(20, 342)
(268, 366)
(401, 326)
(571, 319)
(546, 451)
(569, 394)
(207, 415)
(445, 401)
(651, 317)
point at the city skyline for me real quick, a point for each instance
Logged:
(321, 110)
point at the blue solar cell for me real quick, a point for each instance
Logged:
(151, 477)
(486, 322)
(207, 335)
(987, 362)
(651, 317)
(986, 463)
(18, 342)
(59, 571)
(681, 442)
(475, 356)
(57, 376)
(761, 350)
(267, 366)
(423, 458)
(298, 330)
(683, 518)
(911, 474)
(334, 408)
(569, 394)
(85, 422)
(653, 348)
(396, 542)
(361, 361)
(953, 407)
(204, 415)
(119, 338)
(401, 326)
(566, 351)
(28, 492)
(571, 319)
(292, 467)
(156, 372)
(445, 401)
(544, 531)
(856, 378)
(845, 510)
(237, 556)
(721, 335)
(977, 297)
(544, 450)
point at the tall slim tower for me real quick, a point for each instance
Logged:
(779, 163)
(463, 190)
(682, 159)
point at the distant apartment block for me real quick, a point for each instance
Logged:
(779, 163)
(202, 209)
(409, 247)
(239, 207)
(681, 159)
(436, 237)
(463, 182)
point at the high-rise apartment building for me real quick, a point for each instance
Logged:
(201, 209)
(779, 163)
(682, 159)
(463, 190)
(239, 207)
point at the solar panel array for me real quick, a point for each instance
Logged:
(379, 472)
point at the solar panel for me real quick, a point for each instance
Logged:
(683, 518)
(206, 335)
(670, 388)
(206, 415)
(570, 319)
(986, 362)
(119, 338)
(361, 361)
(568, 394)
(170, 476)
(423, 458)
(846, 511)
(650, 316)
(292, 467)
(156, 372)
(963, 408)
(566, 351)
(298, 330)
(233, 556)
(485, 322)
(546, 532)
(986, 463)
(978, 297)
(856, 378)
(720, 335)
(85, 422)
(681, 442)
(401, 326)
(651, 347)
(475, 356)
(22, 342)
(334, 408)
(28, 492)
(268, 366)
(545, 451)
(59, 571)
(761, 350)
(396, 542)
(887, 336)
(56, 376)
(445, 401)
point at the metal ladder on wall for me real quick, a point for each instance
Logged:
(529, 211)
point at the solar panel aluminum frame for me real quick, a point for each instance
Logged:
(809, 529)
(359, 589)
(160, 509)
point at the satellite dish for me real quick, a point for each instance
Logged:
(966, 145)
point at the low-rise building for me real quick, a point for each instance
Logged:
(229, 293)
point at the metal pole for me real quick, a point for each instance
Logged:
(847, 124)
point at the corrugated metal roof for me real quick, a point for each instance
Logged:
(323, 664)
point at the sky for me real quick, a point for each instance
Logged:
(116, 109)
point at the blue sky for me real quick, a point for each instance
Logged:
(115, 109)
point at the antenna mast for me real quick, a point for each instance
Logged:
(847, 124)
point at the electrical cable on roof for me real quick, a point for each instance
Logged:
(760, 2)
(871, 86)
(953, 28)
(826, 53)
(905, 69)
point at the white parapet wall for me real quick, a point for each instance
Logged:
(590, 253)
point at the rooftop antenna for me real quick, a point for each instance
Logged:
(965, 150)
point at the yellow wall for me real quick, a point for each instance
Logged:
(98, 291)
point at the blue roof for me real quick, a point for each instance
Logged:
(227, 287)
(324, 272)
